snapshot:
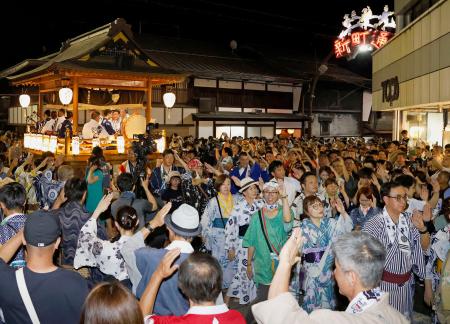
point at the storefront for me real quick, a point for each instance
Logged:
(411, 77)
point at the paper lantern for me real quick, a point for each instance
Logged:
(75, 145)
(120, 144)
(65, 95)
(169, 99)
(53, 144)
(24, 100)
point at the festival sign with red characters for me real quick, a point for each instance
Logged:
(364, 33)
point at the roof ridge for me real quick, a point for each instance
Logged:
(90, 33)
(197, 54)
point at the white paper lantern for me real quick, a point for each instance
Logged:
(26, 140)
(169, 99)
(75, 145)
(46, 143)
(278, 131)
(120, 144)
(65, 95)
(291, 131)
(24, 100)
(53, 144)
(40, 142)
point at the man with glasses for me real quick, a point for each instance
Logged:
(402, 237)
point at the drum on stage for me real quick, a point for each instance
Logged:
(135, 125)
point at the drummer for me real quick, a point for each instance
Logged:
(93, 128)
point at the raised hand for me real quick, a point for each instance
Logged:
(158, 220)
(236, 181)
(338, 205)
(166, 267)
(417, 220)
(144, 182)
(290, 253)
(103, 204)
(281, 187)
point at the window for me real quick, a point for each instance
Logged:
(230, 131)
(325, 128)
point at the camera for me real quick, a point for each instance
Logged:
(144, 144)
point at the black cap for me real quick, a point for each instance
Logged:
(42, 228)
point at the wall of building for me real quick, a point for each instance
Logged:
(418, 57)
(341, 125)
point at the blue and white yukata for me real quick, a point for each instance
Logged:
(213, 233)
(438, 251)
(404, 256)
(318, 283)
(241, 286)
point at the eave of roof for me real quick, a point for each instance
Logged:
(232, 116)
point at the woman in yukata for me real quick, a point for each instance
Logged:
(319, 232)
(242, 287)
(214, 220)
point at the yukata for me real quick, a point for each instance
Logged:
(360, 216)
(438, 251)
(213, 233)
(9, 227)
(241, 287)
(404, 256)
(317, 261)
(197, 196)
(102, 254)
(26, 179)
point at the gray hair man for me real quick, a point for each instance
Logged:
(359, 260)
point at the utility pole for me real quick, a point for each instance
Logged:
(323, 67)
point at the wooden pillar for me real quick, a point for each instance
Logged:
(75, 105)
(40, 104)
(148, 107)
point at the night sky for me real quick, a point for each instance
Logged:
(280, 24)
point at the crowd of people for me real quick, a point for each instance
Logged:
(228, 230)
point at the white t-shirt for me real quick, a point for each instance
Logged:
(292, 186)
(90, 128)
(59, 122)
(49, 126)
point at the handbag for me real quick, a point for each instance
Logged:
(220, 211)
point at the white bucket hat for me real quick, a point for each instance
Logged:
(184, 221)
(247, 182)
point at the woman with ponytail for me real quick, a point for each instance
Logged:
(102, 254)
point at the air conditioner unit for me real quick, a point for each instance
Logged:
(258, 111)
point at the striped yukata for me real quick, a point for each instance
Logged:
(401, 296)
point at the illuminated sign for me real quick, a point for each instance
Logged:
(391, 90)
(364, 33)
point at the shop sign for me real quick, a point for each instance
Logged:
(391, 90)
(364, 33)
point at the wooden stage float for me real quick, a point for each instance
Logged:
(106, 69)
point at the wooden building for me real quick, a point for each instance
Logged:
(242, 91)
